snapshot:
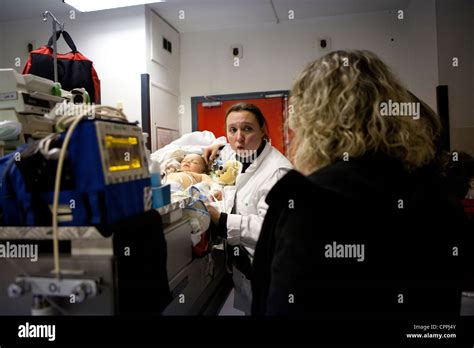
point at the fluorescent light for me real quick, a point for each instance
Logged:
(97, 5)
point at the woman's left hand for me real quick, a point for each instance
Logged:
(215, 215)
(216, 195)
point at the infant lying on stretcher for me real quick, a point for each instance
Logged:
(193, 171)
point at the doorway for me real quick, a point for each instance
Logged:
(208, 113)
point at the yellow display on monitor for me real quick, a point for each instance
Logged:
(123, 152)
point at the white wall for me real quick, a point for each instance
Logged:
(164, 68)
(1, 47)
(419, 53)
(114, 40)
(275, 53)
(455, 39)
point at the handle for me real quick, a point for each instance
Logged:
(66, 37)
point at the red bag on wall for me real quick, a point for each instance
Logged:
(74, 69)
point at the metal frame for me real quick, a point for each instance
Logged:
(55, 51)
(146, 107)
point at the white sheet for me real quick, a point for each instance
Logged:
(193, 142)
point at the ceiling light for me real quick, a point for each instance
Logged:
(97, 5)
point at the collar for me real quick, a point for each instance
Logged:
(248, 161)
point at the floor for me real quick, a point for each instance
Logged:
(467, 304)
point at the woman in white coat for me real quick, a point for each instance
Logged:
(244, 206)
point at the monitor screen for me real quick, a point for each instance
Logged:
(123, 152)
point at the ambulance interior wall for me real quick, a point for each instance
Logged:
(1, 50)
(455, 20)
(273, 53)
(114, 40)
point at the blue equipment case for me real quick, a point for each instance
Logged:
(108, 179)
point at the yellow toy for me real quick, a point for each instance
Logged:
(228, 174)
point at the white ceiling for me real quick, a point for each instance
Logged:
(216, 14)
(23, 9)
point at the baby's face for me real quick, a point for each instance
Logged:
(193, 163)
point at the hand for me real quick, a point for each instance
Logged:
(216, 195)
(215, 215)
(210, 153)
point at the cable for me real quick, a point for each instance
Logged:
(100, 111)
(57, 188)
(44, 145)
(96, 111)
(113, 112)
(104, 112)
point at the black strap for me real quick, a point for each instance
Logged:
(66, 37)
(243, 262)
(50, 41)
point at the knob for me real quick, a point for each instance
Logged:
(18, 289)
(81, 292)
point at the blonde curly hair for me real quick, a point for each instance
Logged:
(336, 104)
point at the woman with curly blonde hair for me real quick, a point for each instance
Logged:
(347, 234)
(337, 102)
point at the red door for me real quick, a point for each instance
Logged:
(211, 117)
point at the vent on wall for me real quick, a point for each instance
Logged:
(167, 45)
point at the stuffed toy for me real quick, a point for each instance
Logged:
(228, 174)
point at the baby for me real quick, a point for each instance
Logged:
(193, 171)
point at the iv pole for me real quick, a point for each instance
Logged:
(61, 28)
(57, 269)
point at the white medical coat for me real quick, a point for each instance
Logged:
(248, 196)
(245, 205)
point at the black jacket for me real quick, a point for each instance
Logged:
(413, 235)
